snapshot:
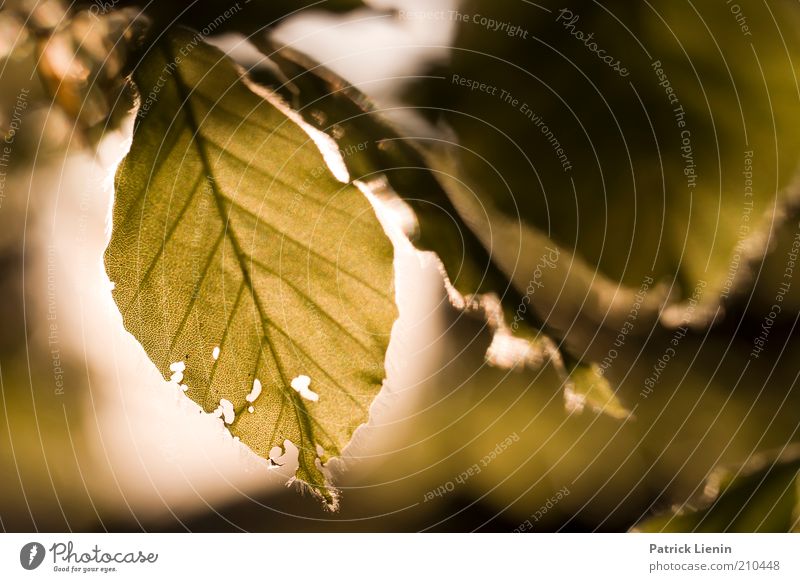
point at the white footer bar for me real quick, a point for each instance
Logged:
(406, 557)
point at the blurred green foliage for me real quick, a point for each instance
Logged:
(654, 180)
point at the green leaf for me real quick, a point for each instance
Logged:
(760, 496)
(237, 255)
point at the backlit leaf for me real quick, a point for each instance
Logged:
(239, 261)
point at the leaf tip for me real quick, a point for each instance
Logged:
(586, 385)
(324, 492)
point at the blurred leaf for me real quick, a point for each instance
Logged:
(230, 233)
(696, 418)
(64, 70)
(222, 16)
(762, 496)
(677, 170)
(44, 456)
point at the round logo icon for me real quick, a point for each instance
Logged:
(31, 555)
